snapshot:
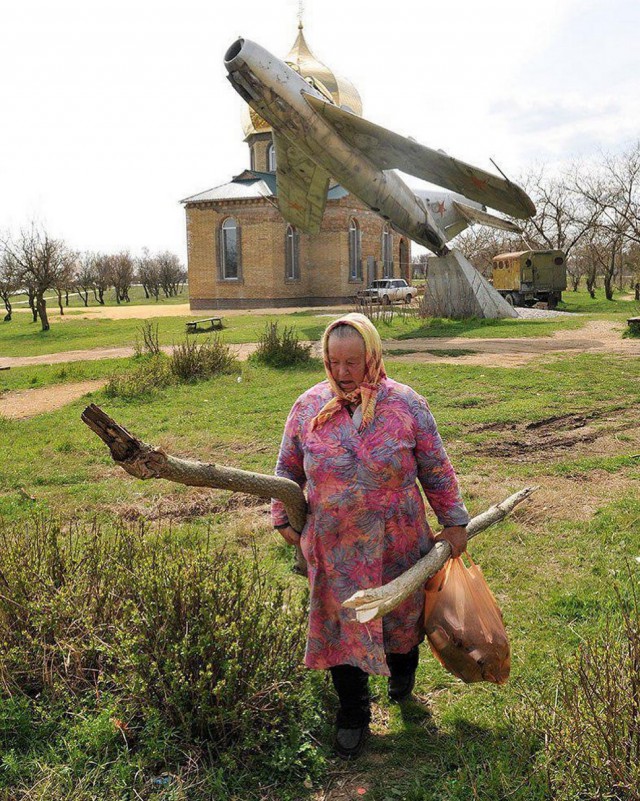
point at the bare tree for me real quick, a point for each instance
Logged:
(583, 266)
(64, 281)
(102, 279)
(609, 206)
(148, 274)
(9, 282)
(419, 265)
(84, 275)
(40, 262)
(480, 245)
(122, 273)
(620, 205)
(560, 221)
(171, 272)
(633, 266)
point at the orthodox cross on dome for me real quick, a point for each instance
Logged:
(300, 13)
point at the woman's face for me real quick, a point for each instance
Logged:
(347, 361)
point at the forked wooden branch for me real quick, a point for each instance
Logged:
(145, 461)
(378, 601)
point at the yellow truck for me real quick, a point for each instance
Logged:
(531, 276)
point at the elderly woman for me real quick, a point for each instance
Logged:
(359, 442)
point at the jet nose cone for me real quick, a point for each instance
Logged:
(233, 57)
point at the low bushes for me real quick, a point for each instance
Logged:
(148, 631)
(591, 724)
(281, 349)
(193, 361)
(144, 379)
(189, 362)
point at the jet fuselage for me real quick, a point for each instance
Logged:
(277, 93)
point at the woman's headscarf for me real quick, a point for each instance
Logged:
(374, 371)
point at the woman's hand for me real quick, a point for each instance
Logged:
(291, 535)
(456, 536)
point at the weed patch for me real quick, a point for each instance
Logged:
(194, 361)
(189, 362)
(281, 348)
(159, 643)
(144, 380)
(591, 726)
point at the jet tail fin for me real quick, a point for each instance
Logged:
(472, 215)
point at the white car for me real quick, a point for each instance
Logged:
(388, 290)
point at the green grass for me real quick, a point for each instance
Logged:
(136, 294)
(224, 419)
(583, 303)
(552, 570)
(21, 337)
(45, 375)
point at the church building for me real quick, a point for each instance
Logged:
(243, 254)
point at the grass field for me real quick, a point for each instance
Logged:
(570, 425)
(553, 566)
(136, 294)
(21, 337)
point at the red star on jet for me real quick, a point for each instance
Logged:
(478, 183)
(440, 208)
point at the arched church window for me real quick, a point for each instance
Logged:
(230, 250)
(355, 251)
(292, 254)
(387, 253)
(271, 158)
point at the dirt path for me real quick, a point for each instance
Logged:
(24, 403)
(595, 337)
(144, 312)
(599, 336)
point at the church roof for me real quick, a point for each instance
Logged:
(252, 184)
(304, 62)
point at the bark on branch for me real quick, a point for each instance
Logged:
(146, 461)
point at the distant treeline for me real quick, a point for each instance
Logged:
(34, 263)
(589, 210)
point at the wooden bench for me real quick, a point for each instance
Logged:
(213, 323)
(634, 325)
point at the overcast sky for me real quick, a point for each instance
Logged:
(111, 112)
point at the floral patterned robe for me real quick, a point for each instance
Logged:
(366, 520)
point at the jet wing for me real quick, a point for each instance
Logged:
(302, 186)
(472, 215)
(389, 151)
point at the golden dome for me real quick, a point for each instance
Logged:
(301, 59)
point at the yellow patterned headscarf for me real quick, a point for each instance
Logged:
(373, 375)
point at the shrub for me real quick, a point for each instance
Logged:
(633, 328)
(189, 362)
(592, 727)
(204, 642)
(277, 349)
(144, 379)
(147, 340)
(193, 361)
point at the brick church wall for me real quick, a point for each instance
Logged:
(323, 257)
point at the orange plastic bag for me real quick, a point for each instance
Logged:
(464, 624)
